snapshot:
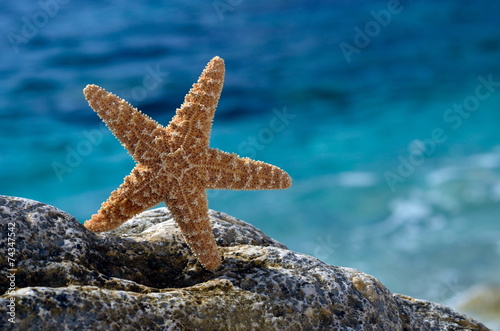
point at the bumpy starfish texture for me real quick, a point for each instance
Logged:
(175, 164)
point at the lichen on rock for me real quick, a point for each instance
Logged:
(142, 276)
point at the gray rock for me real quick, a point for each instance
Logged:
(142, 276)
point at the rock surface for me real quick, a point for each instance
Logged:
(142, 276)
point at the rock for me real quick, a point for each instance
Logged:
(142, 276)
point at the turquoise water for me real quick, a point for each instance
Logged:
(389, 120)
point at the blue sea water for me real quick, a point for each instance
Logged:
(386, 116)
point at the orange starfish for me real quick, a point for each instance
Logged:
(175, 164)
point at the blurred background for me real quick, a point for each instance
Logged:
(385, 113)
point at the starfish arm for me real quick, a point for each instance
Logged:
(136, 194)
(192, 123)
(229, 171)
(189, 207)
(136, 131)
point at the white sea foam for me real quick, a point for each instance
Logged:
(356, 179)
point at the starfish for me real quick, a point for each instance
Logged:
(175, 164)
